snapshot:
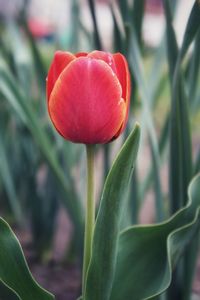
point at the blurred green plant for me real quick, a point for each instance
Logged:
(30, 148)
(22, 91)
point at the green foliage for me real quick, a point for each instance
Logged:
(137, 68)
(6, 176)
(146, 255)
(14, 272)
(153, 251)
(180, 137)
(36, 149)
(108, 221)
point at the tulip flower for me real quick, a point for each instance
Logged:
(88, 95)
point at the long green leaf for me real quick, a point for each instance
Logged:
(156, 83)
(7, 293)
(191, 31)
(102, 266)
(37, 59)
(157, 184)
(133, 208)
(148, 254)
(14, 271)
(180, 142)
(97, 38)
(163, 139)
(6, 176)
(172, 47)
(194, 69)
(119, 39)
(125, 10)
(137, 68)
(192, 28)
(137, 18)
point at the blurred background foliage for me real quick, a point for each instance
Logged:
(41, 175)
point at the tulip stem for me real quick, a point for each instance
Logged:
(90, 213)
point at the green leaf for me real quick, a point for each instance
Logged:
(118, 38)
(37, 59)
(102, 266)
(156, 78)
(124, 10)
(97, 39)
(156, 83)
(148, 254)
(136, 66)
(180, 147)
(172, 47)
(133, 207)
(180, 140)
(163, 139)
(6, 293)
(194, 73)
(72, 37)
(137, 18)
(157, 184)
(5, 174)
(14, 271)
(192, 27)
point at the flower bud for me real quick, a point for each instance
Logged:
(88, 95)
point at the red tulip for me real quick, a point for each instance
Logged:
(88, 95)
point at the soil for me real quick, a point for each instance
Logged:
(62, 279)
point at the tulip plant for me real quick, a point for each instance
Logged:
(88, 101)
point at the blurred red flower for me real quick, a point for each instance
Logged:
(88, 95)
(39, 28)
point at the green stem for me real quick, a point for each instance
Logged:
(90, 213)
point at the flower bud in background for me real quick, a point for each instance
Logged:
(88, 95)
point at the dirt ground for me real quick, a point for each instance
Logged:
(62, 280)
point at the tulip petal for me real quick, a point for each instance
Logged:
(60, 61)
(124, 79)
(79, 54)
(85, 104)
(119, 66)
(123, 74)
(105, 56)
